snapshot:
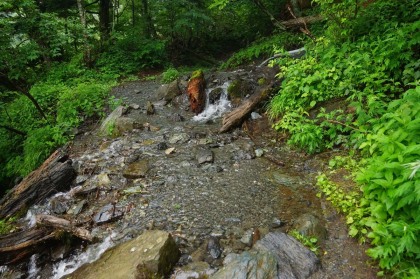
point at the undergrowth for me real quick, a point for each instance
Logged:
(359, 90)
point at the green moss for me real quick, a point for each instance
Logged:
(262, 81)
(197, 74)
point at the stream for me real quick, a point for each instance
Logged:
(193, 182)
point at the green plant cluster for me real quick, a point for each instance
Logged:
(170, 75)
(358, 88)
(310, 242)
(264, 47)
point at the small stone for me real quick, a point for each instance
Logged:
(137, 169)
(247, 238)
(134, 106)
(255, 116)
(103, 179)
(179, 138)
(259, 152)
(150, 108)
(161, 146)
(204, 156)
(213, 247)
(108, 213)
(176, 117)
(76, 209)
(276, 223)
(170, 150)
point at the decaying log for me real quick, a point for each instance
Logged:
(54, 175)
(63, 224)
(296, 53)
(18, 246)
(235, 117)
(301, 21)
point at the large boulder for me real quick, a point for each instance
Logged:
(151, 255)
(108, 124)
(238, 89)
(168, 92)
(277, 256)
(196, 92)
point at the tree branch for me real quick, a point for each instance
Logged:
(11, 129)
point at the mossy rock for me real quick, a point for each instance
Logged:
(239, 88)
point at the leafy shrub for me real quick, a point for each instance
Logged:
(391, 184)
(170, 75)
(263, 48)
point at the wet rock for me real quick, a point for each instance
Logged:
(150, 108)
(108, 213)
(193, 270)
(238, 89)
(109, 122)
(212, 168)
(80, 179)
(151, 255)
(213, 247)
(77, 208)
(310, 225)
(58, 206)
(215, 94)
(276, 256)
(176, 117)
(134, 106)
(179, 138)
(255, 115)
(161, 146)
(137, 169)
(247, 238)
(122, 125)
(259, 152)
(243, 155)
(133, 190)
(168, 92)
(103, 179)
(132, 158)
(276, 223)
(170, 150)
(204, 156)
(249, 265)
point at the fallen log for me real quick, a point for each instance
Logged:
(296, 53)
(63, 224)
(54, 175)
(18, 246)
(235, 117)
(301, 21)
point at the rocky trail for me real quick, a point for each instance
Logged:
(157, 166)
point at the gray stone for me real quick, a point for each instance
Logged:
(213, 247)
(255, 115)
(137, 169)
(215, 94)
(150, 108)
(169, 91)
(276, 256)
(77, 208)
(151, 255)
(310, 225)
(110, 120)
(179, 138)
(204, 156)
(276, 223)
(58, 206)
(259, 152)
(247, 238)
(193, 270)
(108, 213)
(122, 125)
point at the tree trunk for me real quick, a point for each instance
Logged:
(54, 175)
(63, 224)
(104, 19)
(18, 246)
(235, 117)
(87, 52)
(149, 28)
(264, 9)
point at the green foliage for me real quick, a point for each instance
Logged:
(391, 183)
(6, 226)
(131, 54)
(170, 75)
(310, 242)
(264, 47)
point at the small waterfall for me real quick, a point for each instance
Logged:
(212, 111)
(33, 270)
(93, 253)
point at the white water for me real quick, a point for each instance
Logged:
(33, 270)
(91, 254)
(212, 111)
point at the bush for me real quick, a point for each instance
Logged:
(170, 75)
